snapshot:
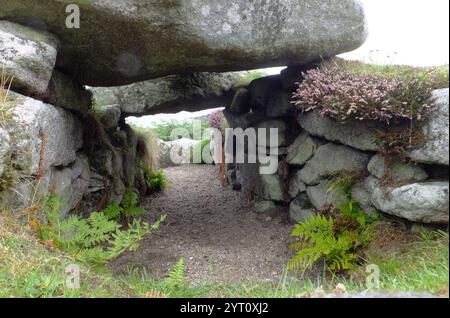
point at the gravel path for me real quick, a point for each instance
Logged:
(221, 240)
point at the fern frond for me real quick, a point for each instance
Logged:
(304, 258)
(73, 231)
(52, 210)
(157, 224)
(83, 238)
(176, 277)
(94, 255)
(113, 211)
(299, 245)
(130, 200)
(315, 229)
(134, 212)
(318, 240)
(101, 229)
(122, 241)
(354, 211)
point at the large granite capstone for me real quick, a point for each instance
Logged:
(124, 41)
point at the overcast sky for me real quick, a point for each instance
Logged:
(413, 32)
(417, 30)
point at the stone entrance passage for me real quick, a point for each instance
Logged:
(221, 239)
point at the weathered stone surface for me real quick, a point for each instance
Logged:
(278, 138)
(44, 136)
(279, 104)
(244, 121)
(419, 202)
(104, 96)
(330, 159)
(398, 170)
(296, 186)
(302, 150)
(178, 150)
(4, 148)
(258, 187)
(44, 153)
(292, 75)
(143, 39)
(273, 188)
(29, 55)
(364, 198)
(233, 176)
(262, 89)
(241, 101)
(359, 135)
(320, 196)
(71, 183)
(109, 116)
(300, 209)
(171, 94)
(436, 130)
(264, 206)
(65, 92)
(97, 183)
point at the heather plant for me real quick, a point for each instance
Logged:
(339, 94)
(353, 91)
(217, 120)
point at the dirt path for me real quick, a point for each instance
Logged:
(221, 240)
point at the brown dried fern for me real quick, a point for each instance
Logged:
(41, 170)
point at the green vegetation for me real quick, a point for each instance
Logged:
(29, 268)
(5, 86)
(422, 264)
(5, 83)
(156, 181)
(324, 237)
(126, 210)
(249, 77)
(93, 240)
(435, 77)
(164, 130)
(393, 95)
(200, 148)
(336, 234)
(346, 238)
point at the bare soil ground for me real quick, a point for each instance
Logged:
(221, 240)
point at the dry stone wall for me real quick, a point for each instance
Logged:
(319, 148)
(52, 142)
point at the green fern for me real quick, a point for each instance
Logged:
(176, 277)
(353, 210)
(96, 239)
(156, 181)
(130, 205)
(113, 211)
(334, 238)
(342, 183)
(317, 240)
(127, 209)
(128, 240)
